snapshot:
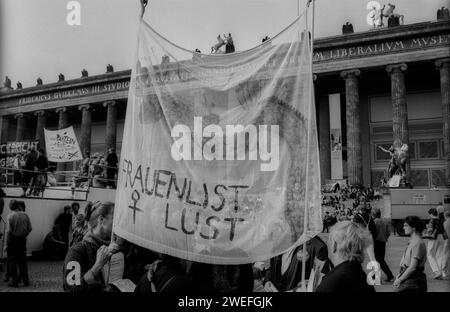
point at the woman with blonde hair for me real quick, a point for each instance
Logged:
(347, 245)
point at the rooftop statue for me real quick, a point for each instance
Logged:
(39, 81)
(7, 83)
(229, 45)
(220, 42)
(347, 28)
(195, 54)
(84, 73)
(19, 85)
(61, 77)
(442, 14)
(109, 68)
(165, 59)
(377, 17)
(394, 19)
(266, 38)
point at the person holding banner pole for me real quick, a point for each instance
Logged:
(93, 252)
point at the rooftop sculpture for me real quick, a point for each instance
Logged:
(7, 83)
(347, 28)
(109, 68)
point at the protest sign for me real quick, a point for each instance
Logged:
(220, 159)
(9, 150)
(62, 145)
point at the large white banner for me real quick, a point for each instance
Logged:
(220, 159)
(62, 145)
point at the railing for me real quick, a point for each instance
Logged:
(37, 182)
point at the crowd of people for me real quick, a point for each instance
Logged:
(340, 203)
(334, 265)
(98, 170)
(30, 171)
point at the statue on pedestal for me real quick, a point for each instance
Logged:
(39, 81)
(397, 164)
(109, 68)
(19, 85)
(84, 73)
(60, 77)
(392, 167)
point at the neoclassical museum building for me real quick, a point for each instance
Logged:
(373, 88)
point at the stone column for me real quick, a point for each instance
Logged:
(323, 126)
(111, 124)
(40, 125)
(62, 123)
(86, 129)
(443, 66)
(354, 156)
(63, 118)
(399, 108)
(5, 129)
(21, 127)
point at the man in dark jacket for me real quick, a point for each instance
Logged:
(64, 221)
(286, 270)
(19, 226)
(111, 170)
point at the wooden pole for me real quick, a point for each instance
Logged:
(305, 220)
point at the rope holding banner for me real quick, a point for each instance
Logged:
(143, 6)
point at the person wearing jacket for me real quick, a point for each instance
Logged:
(19, 226)
(91, 254)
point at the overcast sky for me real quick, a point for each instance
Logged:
(37, 42)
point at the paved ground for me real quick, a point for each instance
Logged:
(47, 276)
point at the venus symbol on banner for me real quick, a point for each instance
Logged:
(214, 157)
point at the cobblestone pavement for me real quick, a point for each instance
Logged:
(47, 276)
